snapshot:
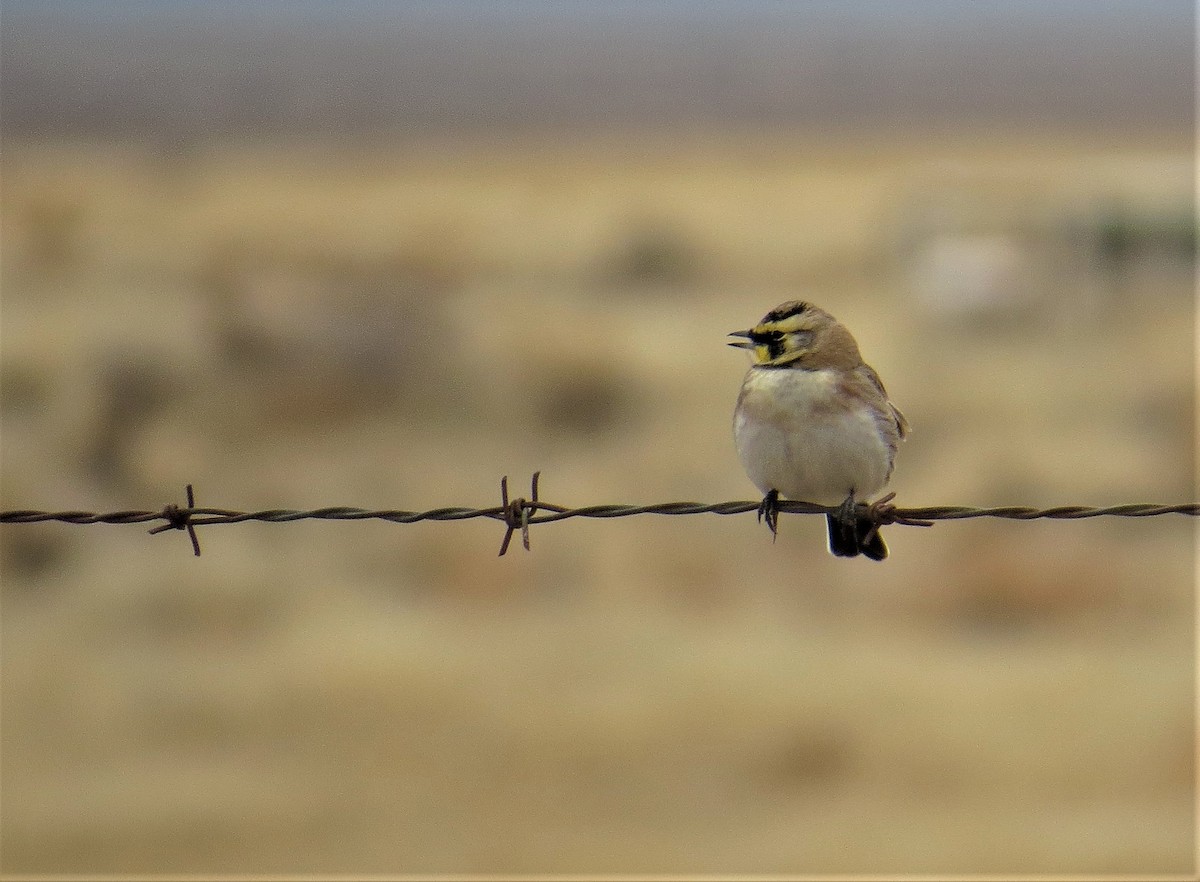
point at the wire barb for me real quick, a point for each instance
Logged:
(180, 519)
(520, 513)
(517, 512)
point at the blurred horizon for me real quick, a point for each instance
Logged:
(202, 70)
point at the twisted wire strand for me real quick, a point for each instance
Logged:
(201, 516)
(520, 513)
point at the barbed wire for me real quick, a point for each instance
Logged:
(519, 513)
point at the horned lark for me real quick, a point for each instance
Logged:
(814, 423)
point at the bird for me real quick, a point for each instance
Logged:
(813, 423)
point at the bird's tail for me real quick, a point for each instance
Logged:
(853, 539)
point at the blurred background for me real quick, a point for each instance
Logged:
(306, 254)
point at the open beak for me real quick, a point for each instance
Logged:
(742, 344)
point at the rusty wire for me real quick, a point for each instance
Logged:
(520, 513)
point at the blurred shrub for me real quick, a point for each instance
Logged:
(653, 253)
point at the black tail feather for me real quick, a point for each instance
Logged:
(853, 539)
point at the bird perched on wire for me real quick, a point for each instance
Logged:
(813, 423)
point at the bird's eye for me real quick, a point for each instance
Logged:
(773, 341)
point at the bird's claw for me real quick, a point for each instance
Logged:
(768, 510)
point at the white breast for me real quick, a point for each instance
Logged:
(794, 436)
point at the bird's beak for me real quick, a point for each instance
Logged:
(742, 344)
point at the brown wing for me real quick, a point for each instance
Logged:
(897, 416)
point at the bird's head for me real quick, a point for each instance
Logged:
(800, 335)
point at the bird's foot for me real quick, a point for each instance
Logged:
(768, 510)
(847, 513)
